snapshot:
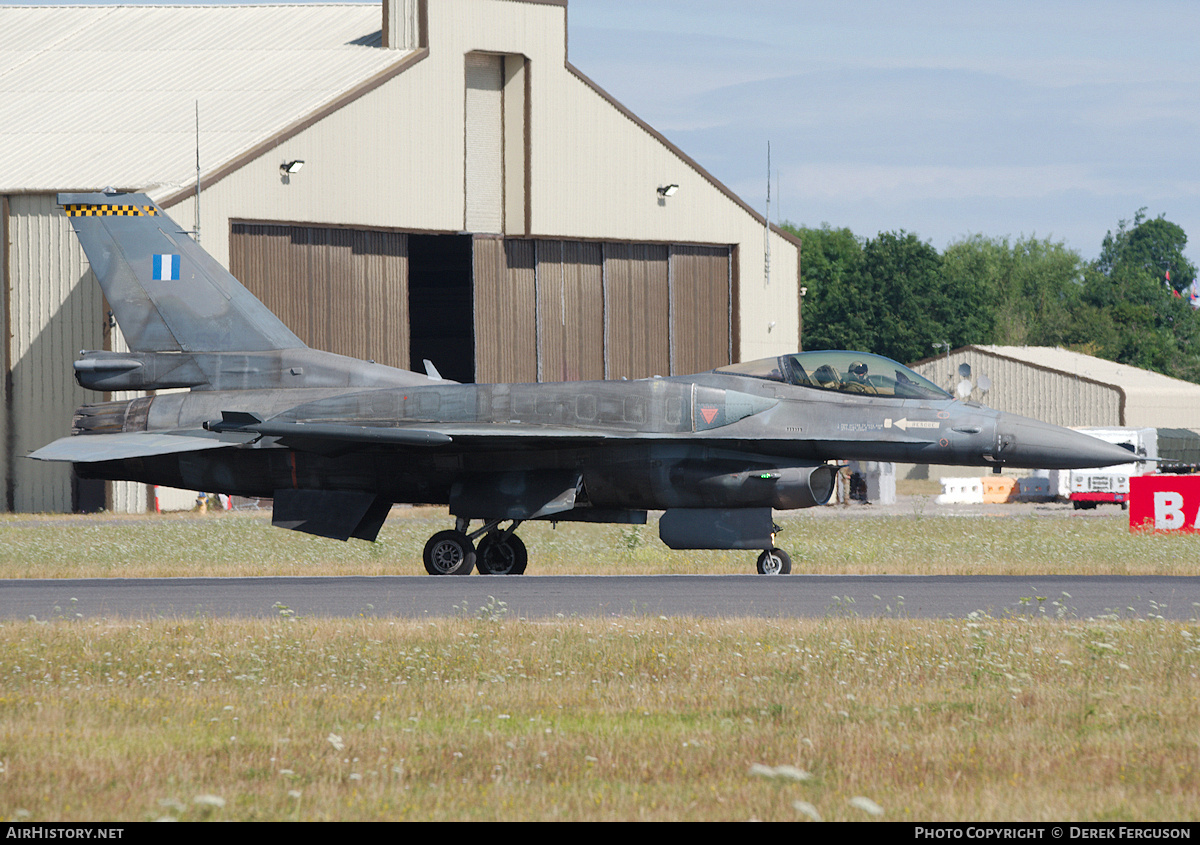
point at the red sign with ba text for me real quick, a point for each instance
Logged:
(1164, 503)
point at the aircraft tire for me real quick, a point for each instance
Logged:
(499, 555)
(449, 553)
(774, 562)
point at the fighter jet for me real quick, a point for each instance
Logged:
(335, 441)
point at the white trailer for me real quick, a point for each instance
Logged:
(1088, 488)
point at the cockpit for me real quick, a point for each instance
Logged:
(844, 372)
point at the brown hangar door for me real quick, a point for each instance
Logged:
(701, 305)
(560, 310)
(494, 309)
(341, 290)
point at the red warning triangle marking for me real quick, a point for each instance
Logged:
(709, 414)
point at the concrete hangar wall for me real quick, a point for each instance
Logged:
(469, 197)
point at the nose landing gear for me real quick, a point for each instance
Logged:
(774, 562)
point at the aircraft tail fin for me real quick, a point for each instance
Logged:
(167, 294)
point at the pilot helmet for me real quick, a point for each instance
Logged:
(858, 368)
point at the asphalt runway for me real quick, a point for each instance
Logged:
(551, 597)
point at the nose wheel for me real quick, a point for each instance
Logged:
(774, 562)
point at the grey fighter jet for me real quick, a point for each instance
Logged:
(335, 441)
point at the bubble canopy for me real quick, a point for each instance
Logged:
(843, 372)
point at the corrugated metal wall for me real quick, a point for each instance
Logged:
(636, 311)
(341, 290)
(54, 308)
(51, 306)
(700, 308)
(559, 310)
(505, 311)
(570, 282)
(5, 386)
(401, 24)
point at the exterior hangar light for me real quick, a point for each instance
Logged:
(667, 190)
(291, 166)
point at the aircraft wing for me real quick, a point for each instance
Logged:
(330, 433)
(94, 448)
(462, 433)
(332, 437)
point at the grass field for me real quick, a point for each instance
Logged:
(489, 717)
(919, 541)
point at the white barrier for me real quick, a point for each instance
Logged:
(961, 491)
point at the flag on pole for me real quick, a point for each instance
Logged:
(1170, 287)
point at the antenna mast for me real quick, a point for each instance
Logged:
(196, 228)
(767, 225)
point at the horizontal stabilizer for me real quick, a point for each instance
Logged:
(94, 448)
(336, 514)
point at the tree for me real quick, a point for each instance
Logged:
(1152, 248)
(905, 302)
(1145, 322)
(1025, 293)
(897, 296)
(830, 263)
(886, 295)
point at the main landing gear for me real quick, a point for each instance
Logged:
(500, 552)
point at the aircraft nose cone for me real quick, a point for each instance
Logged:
(1023, 442)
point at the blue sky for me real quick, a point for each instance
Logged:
(1054, 119)
(944, 119)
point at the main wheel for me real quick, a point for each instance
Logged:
(774, 562)
(449, 553)
(501, 555)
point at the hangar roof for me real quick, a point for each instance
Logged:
(1097, 369)
(83, 99)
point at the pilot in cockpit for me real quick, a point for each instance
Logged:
(856, 379)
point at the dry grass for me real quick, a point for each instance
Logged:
(492, 718)
(921, 541)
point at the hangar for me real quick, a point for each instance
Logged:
(398, 181)
(1069, 388)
